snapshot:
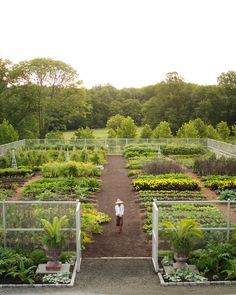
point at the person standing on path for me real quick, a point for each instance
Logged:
(119, 209)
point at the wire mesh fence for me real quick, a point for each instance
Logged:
(117, 145)
(21, 227)
(222, 148)
(16, 145)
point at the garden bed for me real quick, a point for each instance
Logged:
(166, 283)
(17, 283)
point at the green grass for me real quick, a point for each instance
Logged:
(102, 132)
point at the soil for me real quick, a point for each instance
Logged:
(132, 242)
(18, 193)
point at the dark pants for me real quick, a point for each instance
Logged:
(119, 221)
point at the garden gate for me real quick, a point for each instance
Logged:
(155, 236)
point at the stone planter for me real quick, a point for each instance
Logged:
(53, 259)
(181, 258)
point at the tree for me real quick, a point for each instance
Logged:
(133, 108)
(128, 129)
(101, 98)
(114, 122)
(211, 132)
(48, 75)
(162, 130)
(227, 84)
(201, 127)
(146, 131)
(234, 130)
(188, 130)
(223, 130)
(84, 133)
(7, 133)
(54, 135)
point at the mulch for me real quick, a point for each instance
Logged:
(132, 242)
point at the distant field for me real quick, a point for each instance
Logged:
(97, 132)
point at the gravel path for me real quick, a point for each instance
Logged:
(123, 277)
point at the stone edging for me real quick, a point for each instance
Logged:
(71, 284)
(206, 283)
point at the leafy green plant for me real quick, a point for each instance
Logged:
(70, 169)
(68, 257)
(166, 184)
(12, 172)
(228, 195)
(231, 269)
(23, 273)
(62, 188)
(58, 278)
(54, 238)
(167, 260)
(183, 234)
(183, 150)
(184, 274)
(214, 258)
(38, 256)
(10, 260)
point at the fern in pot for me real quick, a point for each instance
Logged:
(183, 235)
(54, 241)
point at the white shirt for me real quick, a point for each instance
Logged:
(119, 209)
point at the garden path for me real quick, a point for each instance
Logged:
(132, 242)
(18, 193)
(210, 195)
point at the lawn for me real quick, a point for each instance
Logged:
(102, 132)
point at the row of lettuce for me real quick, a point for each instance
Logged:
(160, 176)
(61, 176)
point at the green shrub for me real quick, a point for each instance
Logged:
(12, 172)
(38, 256)
(183, 150)
(213, 258)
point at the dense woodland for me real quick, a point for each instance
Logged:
(42, 94)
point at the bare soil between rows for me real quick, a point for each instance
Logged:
(132, 242)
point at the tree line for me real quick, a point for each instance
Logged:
(42, 95)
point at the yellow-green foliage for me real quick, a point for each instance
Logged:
(166, 184)
(70, 169)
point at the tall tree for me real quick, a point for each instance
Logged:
(162, 130)
(227, 84)
(48, 75)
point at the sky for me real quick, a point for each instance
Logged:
(125, 43)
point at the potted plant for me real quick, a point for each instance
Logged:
(53, 241)
(183, 235)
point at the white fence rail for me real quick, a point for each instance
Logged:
(155, 237)
(78, 238)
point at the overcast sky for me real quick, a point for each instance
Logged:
(126, 43)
